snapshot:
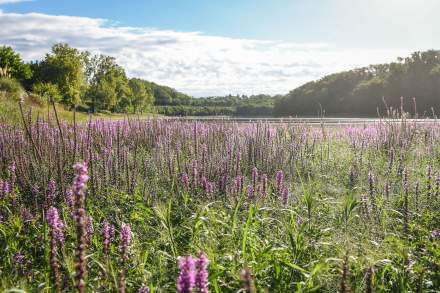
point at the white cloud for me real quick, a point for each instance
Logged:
(192, 62)
(13, 1)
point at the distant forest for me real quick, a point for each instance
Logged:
(96, 83)
(368, 91)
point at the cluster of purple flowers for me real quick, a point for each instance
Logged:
(50, 194)
(108, 233)
(5, 188)
(193, 274)
(55, 224)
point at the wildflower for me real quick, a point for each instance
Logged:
(194, 173)
(78, 189)
(4, 188)
(386, 189)
(279, 181)
(108, 233)
(285, 196)
(185, 181)
(125, 239)
(144, 289)
(254, 176)
(18, 259)
(250, 193)
(186, 279)
(247, 281)
(50, 194)
(435, 235)
(264, 185)
(125, 243)
(57, 237)
(55, 224)
(70, 200)
(201, 277)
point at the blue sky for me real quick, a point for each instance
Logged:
(216, 47)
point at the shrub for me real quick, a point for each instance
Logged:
(11, 87)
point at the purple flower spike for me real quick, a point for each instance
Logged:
(55, 224)
(201, 278)
(125, 238)
(80, 180)
(285, 196)
(186, 279)
(279, 181)
(144, 289)
(50, 195)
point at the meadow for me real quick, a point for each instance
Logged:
(160, 205)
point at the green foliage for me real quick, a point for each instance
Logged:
(64, 67)
(12, 66)
(142, 95)
(47, 92)
(12, 88)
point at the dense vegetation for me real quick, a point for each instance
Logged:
(262, 207)
(368, 91)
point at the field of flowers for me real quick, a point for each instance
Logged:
(163, 206)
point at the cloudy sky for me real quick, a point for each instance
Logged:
(219, 47)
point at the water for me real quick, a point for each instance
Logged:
(317, 121)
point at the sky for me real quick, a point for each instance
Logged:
(211, 48)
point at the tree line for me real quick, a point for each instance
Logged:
(92, 83)
(96, 83)
(412, 83)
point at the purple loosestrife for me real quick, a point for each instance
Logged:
(123, 247)
(201, 277)
(108, 233)
(247, 281)
(386, 189)
(13, 175)
(194, 174)
(254, 177)
(70, 200)
(185, 182)
(435, 235)
(238, 187)
(78, 189)
(279, 181)
(437, 185)
(4, 188)
(416, 192)
(250, 192)
(144, 289)
(264, 185)
(428, 181)
(57, 237)
(371, 185)
(405, 201)
(50, 193)
(285, 196)
(186, 280)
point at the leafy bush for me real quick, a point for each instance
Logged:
(12, 88)
(47, 91)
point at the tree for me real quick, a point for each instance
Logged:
(108, 84)
(142, 95)
(11, 65)
(47, 92)
(64, 67)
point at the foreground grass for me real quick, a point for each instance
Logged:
(360, 211)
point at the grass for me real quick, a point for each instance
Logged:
(10, 112)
